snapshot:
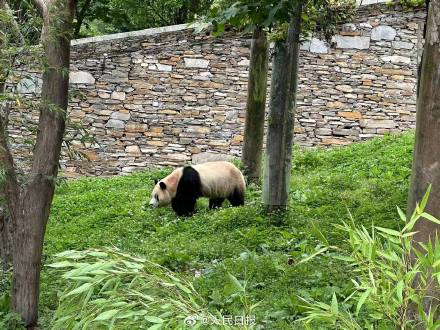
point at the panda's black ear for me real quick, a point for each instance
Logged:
(156, 181)
(162, 185)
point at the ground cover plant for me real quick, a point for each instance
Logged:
(213, 248)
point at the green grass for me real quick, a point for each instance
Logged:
(366, 179)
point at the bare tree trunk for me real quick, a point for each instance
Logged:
(80, 15)
(6, 228)
(281, 117)
(5, 239)
(5, 220)
(31, 212)
(426, 163)
(255, 106)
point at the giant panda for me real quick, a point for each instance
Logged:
(216, 180)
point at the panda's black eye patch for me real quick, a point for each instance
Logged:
(157, 197)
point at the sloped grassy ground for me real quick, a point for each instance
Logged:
(366, 179)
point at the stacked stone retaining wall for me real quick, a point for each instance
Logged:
(158, 97)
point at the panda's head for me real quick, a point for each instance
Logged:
(160, 196)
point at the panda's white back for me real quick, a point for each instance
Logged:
(219, 179)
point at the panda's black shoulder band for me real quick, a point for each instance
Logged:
(188, 190)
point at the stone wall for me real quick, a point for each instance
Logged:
(158, 97)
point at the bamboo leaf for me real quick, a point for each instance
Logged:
(61, 264)
(389, 231)
(322, 250)
(106, 315)
(425, 199)
(430, 218)
(401, 214)
(399, 291)
(362, 299)
(334, 306)
(154, 319)
(155, 326)
(235, 283)
(80, 289)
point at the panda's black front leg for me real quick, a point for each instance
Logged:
(215, 203)
(184, 207)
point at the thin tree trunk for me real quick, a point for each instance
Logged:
(6, 228)
(281, 117)
(80, 15)
(426, 163)
(255, 106)
(32, 210)
(5, 239)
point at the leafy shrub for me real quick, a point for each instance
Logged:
(8, 320)
(389, 282)
(108, 288)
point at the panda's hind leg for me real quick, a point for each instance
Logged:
(236, 198)
(215, 203)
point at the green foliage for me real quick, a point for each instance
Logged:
(8, 320)
(111, 289)
(30, 21)
(324, 18)
(388, 280)
(260, 254)
(320, 16)
(110, 16)
(409, 4)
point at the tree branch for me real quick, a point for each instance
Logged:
(42, 6)
(80, 15)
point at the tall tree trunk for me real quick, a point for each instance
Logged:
(255, 106)
(12, 27)
(5, 220)
(426, 163)
(281, 117)
(5, 239)
(80, 15)
(31, 212)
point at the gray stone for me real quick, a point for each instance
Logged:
(323, 131)
(344, 132)
(318, 46)
(396, 59)
(402, 45)
(349, 27)
(383, 32)
(114, 123)
(305, 45)
(81, 77)
(377, 123)
(365, 25)
(204, 157)
(372, 2)
(196, 63)
(164, 67)
(348, 42)
(143, 33)
(118, 96)
(29, 85)
(132, 149)
(120, 115)
(243, 62)
(344, 88)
